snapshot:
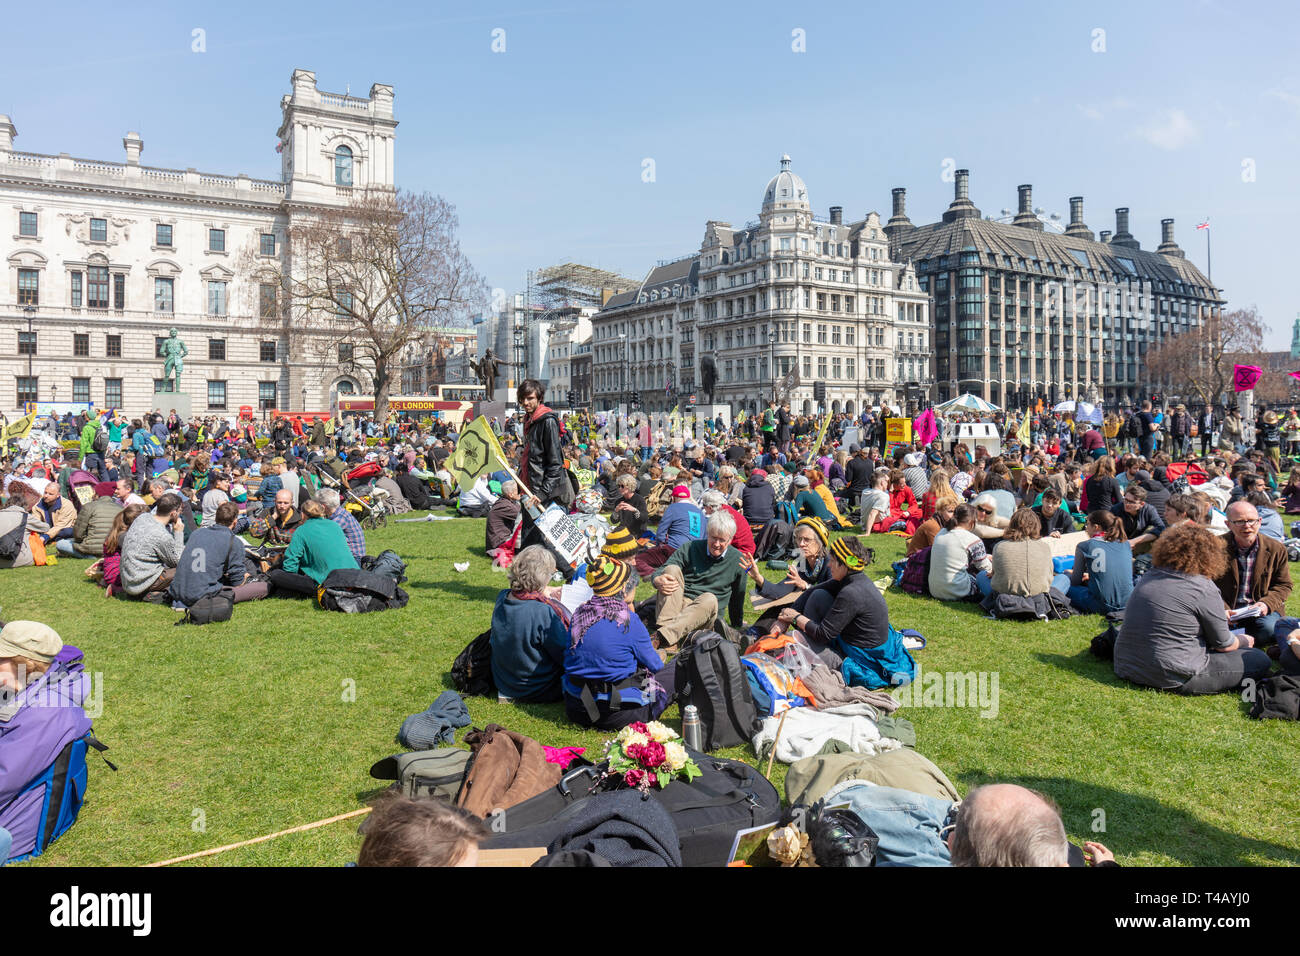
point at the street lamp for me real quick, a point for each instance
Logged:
(31, 347)
(304, 397)
(772, 339)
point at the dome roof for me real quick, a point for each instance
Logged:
(785, 186)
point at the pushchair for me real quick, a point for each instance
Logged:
(368, 503)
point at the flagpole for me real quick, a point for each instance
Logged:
(1209, 269)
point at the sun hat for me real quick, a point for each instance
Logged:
(30, 639)
(607, 577)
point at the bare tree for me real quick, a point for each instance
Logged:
(1200, 362)
(364, 282)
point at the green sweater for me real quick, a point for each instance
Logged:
(318, 547)
(722, 577)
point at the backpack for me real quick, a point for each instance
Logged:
(709, 675)
(436, 773)
(217, 607)
(505, 769)
(99, 444)
(658, 498)
(1103, 645)
(916, 573)
(355, 591)
(471, 672)
(1292, 549)
(774, 541)
(1277, 697)
(11, 544)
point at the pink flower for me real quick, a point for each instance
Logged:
(634, 751)
(638, 727)
(651, 778)
(652, 754)
(633, 778)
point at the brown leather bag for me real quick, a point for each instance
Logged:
(506, 769)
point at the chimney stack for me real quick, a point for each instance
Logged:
(1105, 236)
(1025, 217)
(134, 147)
(1122, 236)
(898, 222)
(1076, 226)
(837, 215)
(961, 206)
(1167, 245)
(7, 133)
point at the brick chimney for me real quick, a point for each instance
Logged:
(1167, 245)
(1076, 226)
(1025, 217)
(961, 206)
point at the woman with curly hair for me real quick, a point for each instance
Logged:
(1175, 634)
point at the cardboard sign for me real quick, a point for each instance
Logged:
(898, 430)
(562, 533)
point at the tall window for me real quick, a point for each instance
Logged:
(163, 295)
(26, 390)
(27, 343)
(99, 230)
(97, 287)
(268, 244)
(112, 393)
(266, 395)
(216, 240)
(81, 390)
(266, 352)
(74, 289)
(216, 394)
(162, 235)
(29, 287)
(343, 166)
(821, 367)
(343, 303)
(27, 224)
(119, 291)
(217, 298)
(113, 346)
(81, 348)
(216, 350)
(266, 301)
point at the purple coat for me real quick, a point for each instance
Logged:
(48, 717)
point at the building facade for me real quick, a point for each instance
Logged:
(787, 291)
(103, 259)
(1023, 312)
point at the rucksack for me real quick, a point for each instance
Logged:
(1103, 645)
(11, 544)
(1292, 549)
(471, 672)
(787, 512)
(775, 541)
(436, 773)
(505, 769)
(216, 608)
(355, 591)
(710, 675)
(916, 573)
(99, 444)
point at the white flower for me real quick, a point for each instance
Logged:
(660, 732)
(676, 756)
(633, 738)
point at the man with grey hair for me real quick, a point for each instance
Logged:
(696, 581)
(714, 501)
(343, 518)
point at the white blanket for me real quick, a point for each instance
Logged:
(806, 731)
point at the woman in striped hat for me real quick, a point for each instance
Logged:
(613, 676)
(808, 570)
(846, 621)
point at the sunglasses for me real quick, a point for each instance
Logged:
(985, 511)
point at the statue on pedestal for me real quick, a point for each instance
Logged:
(173, 353)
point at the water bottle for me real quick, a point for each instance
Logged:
(692, 730)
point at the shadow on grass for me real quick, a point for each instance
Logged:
(475, 592)
(1137, 823)
(1085, 665)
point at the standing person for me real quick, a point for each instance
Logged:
(541, 458)
(783, 427)
(1271, 435)
(769, 424)
(1147, 430)
(1205, 425)
(1233, 433)
(1291, 432)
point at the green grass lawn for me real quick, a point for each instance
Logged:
(231, 731)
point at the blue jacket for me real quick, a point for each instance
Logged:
(610, 653)
(681, 522)
(889, 665)
(221, 564)
(528, 644)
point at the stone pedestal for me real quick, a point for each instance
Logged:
(166, 401)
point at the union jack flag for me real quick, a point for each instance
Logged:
(1204, 225)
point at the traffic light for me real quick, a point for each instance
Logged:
(819, 391)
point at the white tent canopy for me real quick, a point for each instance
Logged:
(966, 402)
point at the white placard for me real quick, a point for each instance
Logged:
(563, 534)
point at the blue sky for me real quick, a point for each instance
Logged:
(1191, 110)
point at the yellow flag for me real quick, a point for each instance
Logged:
(674, 422)
(821, 433)
(19, 429)
(329, 427)
(477, 453)
(1022, 432)
(741, 416)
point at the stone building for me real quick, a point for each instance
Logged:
(787, 290)
(103, 258)
(1027, 309)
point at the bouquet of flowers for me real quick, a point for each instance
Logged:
(648, 755)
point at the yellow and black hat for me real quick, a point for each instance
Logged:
(818, 526)
(619, 544)
(840, 549)
(607, 577)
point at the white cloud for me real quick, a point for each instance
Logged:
(1173, 129)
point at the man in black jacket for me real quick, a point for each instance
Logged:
(413, 489)
(541, 459)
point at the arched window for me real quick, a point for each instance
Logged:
(343, 166)
(347, 388)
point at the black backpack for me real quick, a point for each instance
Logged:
(100, 442)
(214, 608)
(710, 676)
(355, 591)
(471, 672)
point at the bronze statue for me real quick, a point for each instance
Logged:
(173, 353)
